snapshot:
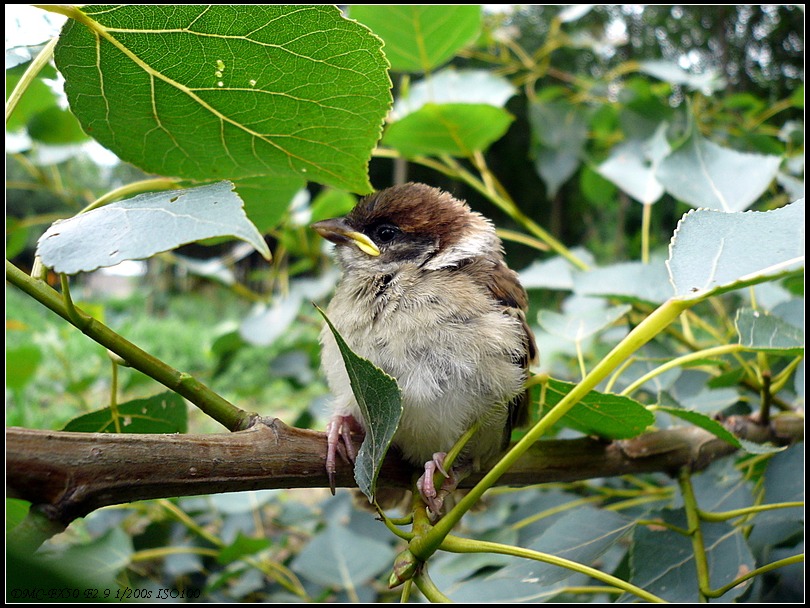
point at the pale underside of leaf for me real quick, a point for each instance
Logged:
(145, 225)
(712, 251)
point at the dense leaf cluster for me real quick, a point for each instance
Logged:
(645, 167)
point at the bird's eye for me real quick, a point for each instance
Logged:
(385, 233)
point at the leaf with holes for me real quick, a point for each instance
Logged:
(228, 91)
(144, 225)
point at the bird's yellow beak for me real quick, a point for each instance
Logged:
(337, 231)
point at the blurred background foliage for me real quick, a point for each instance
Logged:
(585, 80)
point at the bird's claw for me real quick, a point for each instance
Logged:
(339, 427)
(427, 488)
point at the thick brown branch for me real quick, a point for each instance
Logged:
(68, 475)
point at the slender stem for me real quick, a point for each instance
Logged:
(618, 373)
(73, 314)
(185, 385)
(457, 544)
(145, 185)
(114, 396)
(189, 523)
(794, 559)
(554, 510)
(695, 533)
(733, 514)
(391, 524)
(37, 64)
(524, 239)
(634, 502)
(406, 592)
(678, 361)
(645, 233)
(778, 382)
(146, 555)
(429, 589)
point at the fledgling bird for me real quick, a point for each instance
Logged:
(426, 296)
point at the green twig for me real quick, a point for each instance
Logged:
(695, 533)
(555, 510)
(185, 385)
(735, 513)
(145, 185)
(678, 361)
(429, 589)
(645, 233)
(779, 380)
(795, 559)
(28, 77)
(114, 396)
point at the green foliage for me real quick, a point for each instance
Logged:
(245, 76)
(663, 316)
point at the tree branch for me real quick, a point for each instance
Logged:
(68, 475)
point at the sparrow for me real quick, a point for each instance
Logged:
(426, 296)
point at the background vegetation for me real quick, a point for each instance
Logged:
(585, 133)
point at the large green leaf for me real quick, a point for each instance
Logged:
(144, 225)
(712, 252)
(228, 91)
(602, 414)
(339, 557)
(163, 413)
(420, 38)
(703, 174)
(267, 199)
(458, 129)
(380, 402)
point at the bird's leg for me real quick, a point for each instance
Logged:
(427, 489)
(340, 426)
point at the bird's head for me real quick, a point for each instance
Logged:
(409, 224)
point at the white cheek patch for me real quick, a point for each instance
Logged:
(480, 240)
